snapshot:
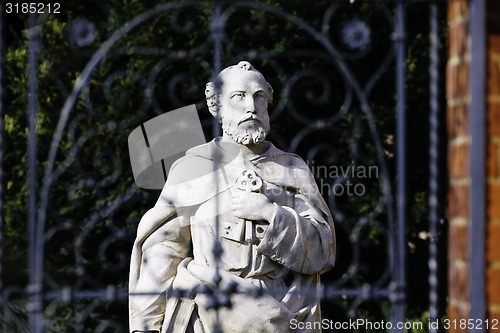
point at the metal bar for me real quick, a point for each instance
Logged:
(66, 293)
(1, 162)
(34, 259)
(433, 166)
(398, 314)
(477, 158)
(217, 31)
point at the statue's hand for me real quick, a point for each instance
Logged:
(251, 205)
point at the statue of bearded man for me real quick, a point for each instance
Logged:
(240, 227)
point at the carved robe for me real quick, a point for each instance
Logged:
(273, 267)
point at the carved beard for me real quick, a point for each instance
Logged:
(247, 132)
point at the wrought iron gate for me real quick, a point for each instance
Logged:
(332, 74)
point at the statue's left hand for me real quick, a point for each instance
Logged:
(251, 205)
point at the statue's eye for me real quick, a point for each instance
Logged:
(260, 95)
(239, 95)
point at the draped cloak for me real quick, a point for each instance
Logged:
(274, 274)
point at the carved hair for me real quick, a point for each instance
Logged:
(211, 86)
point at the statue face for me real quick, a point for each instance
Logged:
(243, 106)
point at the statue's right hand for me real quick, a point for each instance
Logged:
(251, 206)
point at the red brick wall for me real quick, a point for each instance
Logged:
(457, 97)
(493, 179)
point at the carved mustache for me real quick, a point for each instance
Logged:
(252, 117)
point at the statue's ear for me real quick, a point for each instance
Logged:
(211, 98)
(271, 93)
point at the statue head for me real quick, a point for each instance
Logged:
(243, 98)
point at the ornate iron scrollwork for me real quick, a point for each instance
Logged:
(324, 73)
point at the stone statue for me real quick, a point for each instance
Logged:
(235, 214)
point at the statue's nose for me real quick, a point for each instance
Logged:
(250, 105)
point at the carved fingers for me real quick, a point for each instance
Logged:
(251, 205)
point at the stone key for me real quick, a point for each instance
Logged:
(249, 182)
